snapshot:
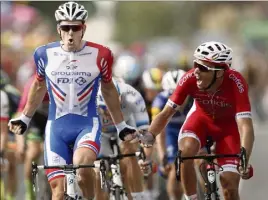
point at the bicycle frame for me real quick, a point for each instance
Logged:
(117, 190)
(210, 179)
(72, 190)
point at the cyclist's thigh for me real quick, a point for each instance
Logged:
(229, 144)
(194, 127)
(172, 134)
(56, 152)
(127, 147)
(89, 138)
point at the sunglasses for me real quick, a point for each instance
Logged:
(74, 28)
(204, 68)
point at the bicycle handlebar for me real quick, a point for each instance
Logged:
(120, 156)
(63, 167)
(179, 159)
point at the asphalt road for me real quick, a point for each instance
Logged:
(255, 188)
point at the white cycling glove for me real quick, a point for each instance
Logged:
(23, 121)
(125, 132)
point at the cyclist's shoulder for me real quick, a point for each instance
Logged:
(234, 73)
(98, 46)
(188, 78)
(42, 49)
(236, 80)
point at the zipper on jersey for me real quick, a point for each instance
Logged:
(213, 106)
(71, 86)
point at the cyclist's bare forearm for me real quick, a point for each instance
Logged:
(35, 97)
(4, 135)
(246, 131)
(161, 145)
(161, 120)
(148, 152)
(111, 98)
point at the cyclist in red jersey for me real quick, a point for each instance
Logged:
(221, 109)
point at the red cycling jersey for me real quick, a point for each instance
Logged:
(214, 114)
(229, 101)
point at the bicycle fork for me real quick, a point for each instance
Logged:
(72, 188)
(211, 185)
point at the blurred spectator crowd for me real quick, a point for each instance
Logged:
(23, 28)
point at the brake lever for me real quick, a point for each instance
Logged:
(102, 172)
(243, 157)
(177, 163)
(142, 155)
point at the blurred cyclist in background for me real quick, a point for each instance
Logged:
(4, 117)
(127, 66)
(10, 97)
(135, 114)
(34, 137)
(151, 84)
(167, 145)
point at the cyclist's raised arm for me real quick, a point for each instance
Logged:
(38, 87)
(108, 90)
(36, 94)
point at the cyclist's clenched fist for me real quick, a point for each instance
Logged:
(19, 125)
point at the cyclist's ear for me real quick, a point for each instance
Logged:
(58, 29)
(84, 28)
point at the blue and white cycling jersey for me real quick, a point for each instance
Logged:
(173, 128)
(132, 106)
(72, 80)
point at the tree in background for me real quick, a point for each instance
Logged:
(144, 20)
(47, 8)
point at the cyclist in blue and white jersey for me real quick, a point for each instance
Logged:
(167, 145)
(135, 114)
(71, 70)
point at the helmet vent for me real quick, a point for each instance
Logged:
(210, 48)
(79, 13)
(204, 53)
(218, 47)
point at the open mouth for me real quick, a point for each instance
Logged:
(198, 80)
(71, 41)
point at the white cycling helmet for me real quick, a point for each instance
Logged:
(127, 67)
(214, 52)
(171, 79)
(151, 78)
(71, 11)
